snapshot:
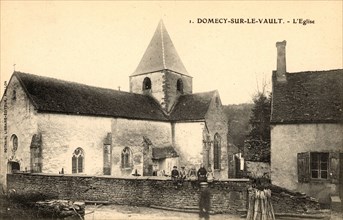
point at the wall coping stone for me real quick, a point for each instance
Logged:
(124, 178)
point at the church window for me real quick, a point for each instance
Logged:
(78, 161)
(216, 151)
(179, 85)
(217, 102)
(126, 158)
(14, 140)
(146, 83)
(14, 95)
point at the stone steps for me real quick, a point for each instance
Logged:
(336, 204)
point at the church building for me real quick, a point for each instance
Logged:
(54, 126)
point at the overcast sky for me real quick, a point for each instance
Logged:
(101, 43)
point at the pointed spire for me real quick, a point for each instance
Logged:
(160, 54)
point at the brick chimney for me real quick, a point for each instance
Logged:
(281, 61)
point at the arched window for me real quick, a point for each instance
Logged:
(216, 151)
(217, 101)
(126, 158)
(14, 142)
(146, 83)
(14, 95)
(78, 161)
(179, 85)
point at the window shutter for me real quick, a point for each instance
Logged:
(303, 167)
(334, 167)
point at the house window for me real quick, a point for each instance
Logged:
(146, 83)
(78, 161)
(14, 141)
(126, 158)
(179, 85)
(216, 151)
(318, 166)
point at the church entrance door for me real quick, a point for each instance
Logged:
(12, 167)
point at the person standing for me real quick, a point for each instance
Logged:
(204, 201)
(175, 176)
(210, 176)
(192, 176)
(202, 174)
(183, 175)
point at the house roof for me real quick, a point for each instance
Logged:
(308, 97)
(163, 152)
(192, 106)
(160, 54)
(58, 96)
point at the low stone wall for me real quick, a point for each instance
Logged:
(227, 195)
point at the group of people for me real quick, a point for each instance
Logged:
(195, 177)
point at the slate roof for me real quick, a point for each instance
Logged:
(163, 152)
(192, 106)
(308, 97)
(160, 54)
(58, 96)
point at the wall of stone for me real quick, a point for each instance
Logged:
(130, 133)
(21, 120)
(157, 81)
(257, 169)
(289, 140)
(62, 134)
(163, 86)
(226, 196)
(189, 142)
(216, 122)
(170, 89)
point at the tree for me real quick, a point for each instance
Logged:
(260, 118)
(257, 143)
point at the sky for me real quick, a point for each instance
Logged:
(101, 43)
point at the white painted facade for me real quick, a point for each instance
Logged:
(288, 140)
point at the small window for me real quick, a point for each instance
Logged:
(126, 158)
(78, 161)
(14, 95)
(179, 85)
(319, 165)
(146, 83)
(216, 151)
(217, 102)
(14, 141)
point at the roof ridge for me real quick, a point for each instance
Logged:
(73, 82)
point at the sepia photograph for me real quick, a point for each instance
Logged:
(171, 110)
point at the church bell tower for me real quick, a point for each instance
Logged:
(161, 73)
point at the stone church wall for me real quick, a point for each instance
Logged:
(227, 196)
(157, 81)
(163, 86)
(20, 119)
(170, 89)
(62, 134)
(189, 141)
(130, 133)
(216, 122)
